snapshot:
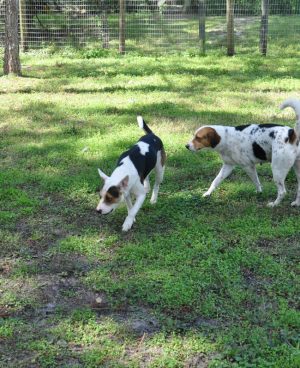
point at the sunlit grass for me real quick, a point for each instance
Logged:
(197, 281)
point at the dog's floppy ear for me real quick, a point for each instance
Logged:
(102, 175)
(124, 183)
(213, 138)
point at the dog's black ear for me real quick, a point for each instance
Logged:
(213, 138)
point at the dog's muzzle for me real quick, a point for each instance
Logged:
(101, 213)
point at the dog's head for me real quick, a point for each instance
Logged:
(203, 138)
(111, 195)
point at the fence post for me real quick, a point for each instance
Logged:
(23, 25)
(263, 43)
(230, 27)
(122, 27)
(202, 24)
(11, 53)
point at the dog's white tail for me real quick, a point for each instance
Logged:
(294, 103)
(143, 125)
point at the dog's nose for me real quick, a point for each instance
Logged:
(187, 146)
(99, 211)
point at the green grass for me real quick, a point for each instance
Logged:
(197, 281)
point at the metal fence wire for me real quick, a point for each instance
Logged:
(153, 26)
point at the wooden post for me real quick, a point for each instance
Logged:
(263, 43)
(230, 27)
(122, 27)
(202, 25)
(11, 53)
(23, 25)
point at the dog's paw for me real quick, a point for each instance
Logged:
(295, 204)
(128, 223)
(153, 200)
(272, 204)
(206, 194)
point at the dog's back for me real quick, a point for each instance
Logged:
(144, 153)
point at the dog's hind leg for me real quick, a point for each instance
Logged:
(225, 171)
(280, 170)
(147, 184)
(297, 172)
(159, 175)
(252, 173)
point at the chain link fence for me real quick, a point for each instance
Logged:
(154, 26)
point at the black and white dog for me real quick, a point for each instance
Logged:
(248, 145)
(131, 176)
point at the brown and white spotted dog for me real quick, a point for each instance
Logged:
(131, 176)
(248, 145)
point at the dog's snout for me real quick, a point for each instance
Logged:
(99, 211)
(187, 146)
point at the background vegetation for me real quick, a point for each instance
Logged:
(169, 27)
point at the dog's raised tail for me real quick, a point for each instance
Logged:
(294, 103)
(143, 125)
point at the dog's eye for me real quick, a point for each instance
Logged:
(198, 139)
(108, 199)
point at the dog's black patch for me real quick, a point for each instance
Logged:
(114, 191)
(292, 136)
(144, 163)
(240, 128)
(259, 152)
(254, 130)
(272, 134)
(269, 125)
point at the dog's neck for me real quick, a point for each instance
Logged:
(222, 144)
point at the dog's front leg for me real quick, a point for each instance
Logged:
(252, 173)
(225, 171)
(129, 203)
(133, 211)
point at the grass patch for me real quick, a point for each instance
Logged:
(197, 282)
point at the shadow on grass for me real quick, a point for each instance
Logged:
(247, 69)
(191, 262)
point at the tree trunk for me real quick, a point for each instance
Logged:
(11, 53)
(122, 27)
(202, 24)
(264, 27)
(230, 27)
